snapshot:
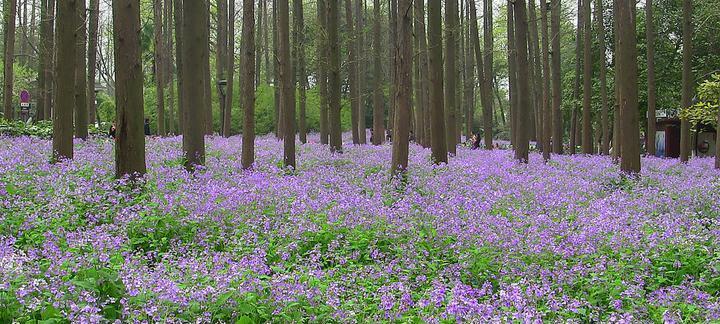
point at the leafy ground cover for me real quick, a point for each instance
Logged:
(482, 239)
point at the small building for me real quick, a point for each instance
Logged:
(667, 139)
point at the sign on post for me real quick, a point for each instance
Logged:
(25, 99)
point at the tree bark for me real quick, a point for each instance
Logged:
(437, 120)
(651, 92)
(392, 51)
(451, 28)
(43, 51)
(230, 61)
(178, 19)
(67, 36)
(576, 86)
(221, 43)
(378, 135)
(605, 133)
(404, 74)
(81, 109)
(360, 43)
(194, 32)
(536, 81)
(523, 122)
(556, 82)
(475, 39)
(488, 76)
(421, 85)
(259, 38)
(469, 80)
(206, 78)
(159, 67)
(276, 74)
(130, 140)
(246, 84)
(9, 12)
(627, 59)
(546, 94)
(334, 78)
(92, 60)
(587, 142)
(322, 70)
(512, 72)
(299, 52)
(352, 73)
(617, 130)
(687, 79)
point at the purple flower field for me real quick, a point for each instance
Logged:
(483, 239)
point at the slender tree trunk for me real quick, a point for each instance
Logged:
(9, 12)
(605, 133)
(392, 51)
(50, 60)
(207, 79)
(130, 140)
(530, 110)
(587, 142)
(512, 73)
(617, 142)
(230, 61)
(260, 48)
(322, 70)
(246, 84)
(287, 94)
(194, 32)
(92, 60)
(404, 94)
(687, 79)
(159, 67)
(352, 73)
(266, 43)
(556, 82)
(81, 109)
(221, 42)
(523, 122)
(475, 39)
(451, 28)
(170, 64)
(276, 74)
(627, 59)
(299, 52)
(42, 62)
(178, 19)
(423, 81)
(67, 34)
(546, 94)
(576, 86)
(334, 78)
(651, 92)
(469, 82)
(537, 76)
(23, 50)
(378, 135)
(360, 43)
(488, 76)
(437, 120)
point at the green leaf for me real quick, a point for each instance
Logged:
(245, 320)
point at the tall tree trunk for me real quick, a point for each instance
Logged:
(352, 73)
(43, 51)
(451, 28)
(221, 42)
(576, 86)
(207, 79)
(536, 81)
(9, 12)
(50, 61)
(67, 37)
(378, 135)
(404, 94)
(512, 73)
(230, 61)
(130, 145)
(23, 50)
(299, 52)
(276, 87)
(605, 133)
(159, 67)
(194, 32)
(322, 61)
(475, 39)
(617, 130)
(546, 104)
(587, 142)
(81, 108)
(360, 43)
(266, 43)
(523, 122)
(178, 20)
(437, 120)
(246, 84)
(334, 78)
(469, 82)
(488, 74)
(627, 59)
(287, 94)
(651, 93)
(92, 60)
(259, 38)
(392, 51)
(687, 79)
(556, 82)
(423, 120)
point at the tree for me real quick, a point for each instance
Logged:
(299, 51)
(194, 20)
(536, 82)
(230, 57)
(81, 108)
(627, 59)
(322, 57)
(523, 83)
(687, 78)
(159, 67)
(334, 78)
(378, 135)
(43, 60)
(512, 72)
(9, 11)
(205, 76)
(423, 80)
(94, 12)
(287, 89)
(437, 111)
(221, 55)
(404, 94)
(576, 86)
(247, 85)
(392, 51)
(469, 72)
(547, 107)
(451, 21)
(605, 147)
(352, 73)
(475, 39)
(360, 43)
(487, 78)
(587, 143)
(130, 145)
(67, 37)
(178, 20)
(556, 76)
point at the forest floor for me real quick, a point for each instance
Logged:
(482, 239)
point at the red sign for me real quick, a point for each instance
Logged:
(24, 96)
